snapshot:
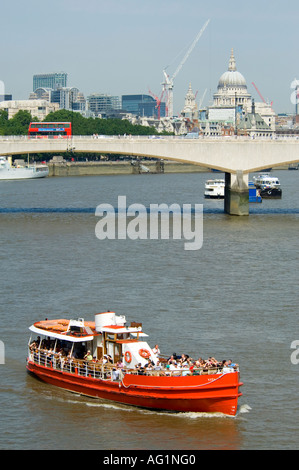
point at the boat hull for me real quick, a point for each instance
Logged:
(23, 173)
(216, 196)
(215, 393)
(271, 193)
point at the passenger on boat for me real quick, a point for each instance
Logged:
(157, 366)
(58, 354)
(226, 368)
(172, 365)
(88, 356)
(107, 359)
(187, 370)
(232, 364)
(33, 346)
(139, 369)
(156, 350)
(173, 357)
(120, 364)
(115, 374)
(184, 358)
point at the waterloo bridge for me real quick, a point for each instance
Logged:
(235, 156)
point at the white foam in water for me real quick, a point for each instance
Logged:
(245, 409)
(109, 406)
(190, 415)
(202, 415)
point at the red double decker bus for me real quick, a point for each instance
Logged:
(46, 130)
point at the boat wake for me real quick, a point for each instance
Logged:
(120, 407)
(244, 409)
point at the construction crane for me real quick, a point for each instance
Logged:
(260, 95)
(168, 82)
(202, 98)
(158, 101)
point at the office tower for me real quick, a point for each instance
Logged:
(50, 80)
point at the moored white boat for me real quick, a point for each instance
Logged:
(10, 172)
(109, 360)
(269, 186)
(215, 189)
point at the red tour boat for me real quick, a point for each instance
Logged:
(107, 359)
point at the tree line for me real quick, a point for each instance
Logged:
(19, 124)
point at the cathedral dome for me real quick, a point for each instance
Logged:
(232, 78)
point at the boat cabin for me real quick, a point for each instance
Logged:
(106, 337)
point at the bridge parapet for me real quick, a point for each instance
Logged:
(227, 154)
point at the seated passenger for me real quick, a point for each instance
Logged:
(115, 374)
(120, 364)
(158, 366)
(109, 359)
(149, 365)
(232, 364)
(225, 368)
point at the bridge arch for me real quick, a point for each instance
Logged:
(224, 154)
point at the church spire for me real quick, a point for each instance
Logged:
(232, 62)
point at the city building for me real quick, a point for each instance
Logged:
(101, 104)
(232, 98)
(142, 105)
(37, 108)
(267, 113)
(233, 108)
(50, 80)
(41, 93)
(5, 98)
(253, 125)
(232, 88)
(69, 98)
(190, 110)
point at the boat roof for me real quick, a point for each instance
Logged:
(62, 329)
(64, 337)
(216, 181)
(265, 175)
(123, 329)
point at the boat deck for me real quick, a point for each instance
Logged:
(98, 370)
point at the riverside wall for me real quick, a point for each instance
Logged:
(119, 168)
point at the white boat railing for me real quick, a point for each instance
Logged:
(96, 370)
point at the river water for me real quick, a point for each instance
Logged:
(236, 297)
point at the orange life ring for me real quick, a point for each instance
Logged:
(144, 353)
(128, 357)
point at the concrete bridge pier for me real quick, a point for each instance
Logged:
(236, 194)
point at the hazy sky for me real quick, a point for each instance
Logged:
(122, 46)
